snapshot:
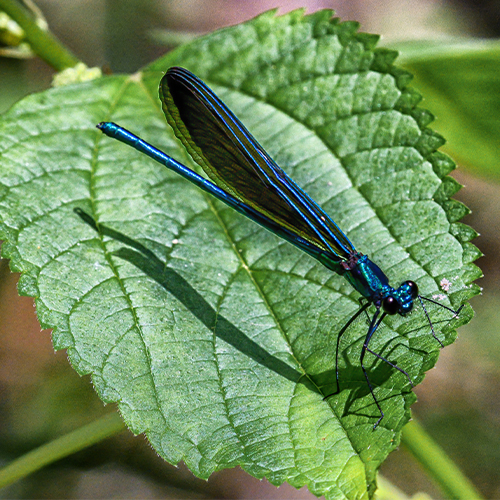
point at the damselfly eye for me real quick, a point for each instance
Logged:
(413, 288)
(390, 305)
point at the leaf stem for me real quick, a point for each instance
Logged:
(42, 42)
(438, 465)
(61, 447)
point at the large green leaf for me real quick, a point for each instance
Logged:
(215, 338)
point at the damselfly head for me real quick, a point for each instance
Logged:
(401, 300)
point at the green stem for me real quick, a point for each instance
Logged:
(43, 43)
(61, 447)
(438, 465)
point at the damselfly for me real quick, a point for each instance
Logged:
(247, 179)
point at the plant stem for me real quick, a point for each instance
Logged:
(43, 43)
(61, 447)
(438, 465)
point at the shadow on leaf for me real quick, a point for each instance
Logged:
(145, 260)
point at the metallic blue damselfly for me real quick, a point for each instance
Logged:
(247, 179)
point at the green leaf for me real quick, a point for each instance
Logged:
(215, 338)
(461, 84)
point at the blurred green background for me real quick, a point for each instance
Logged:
(42, 397)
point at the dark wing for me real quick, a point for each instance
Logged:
(237, 163)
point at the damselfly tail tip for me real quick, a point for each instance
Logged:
(106, 125)
(108, 128)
